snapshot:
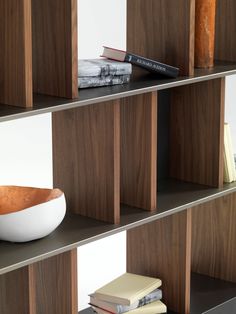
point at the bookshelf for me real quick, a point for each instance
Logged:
(145, 157)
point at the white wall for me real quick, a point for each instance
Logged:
(26, 154)
(230, 106)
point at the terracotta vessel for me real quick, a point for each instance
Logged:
(205, 33)
(28, 214)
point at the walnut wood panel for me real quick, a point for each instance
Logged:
(15, 53)
(196, 133)
(86, 148)
(214, 238)
(151, 34)
(225, 28)
(55, 64)
(46, 287)
(139, 151)
(55, 285)
(163, 249)
(15, 292)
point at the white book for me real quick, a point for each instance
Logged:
(102, 68)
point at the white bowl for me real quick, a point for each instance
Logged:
(28, 214)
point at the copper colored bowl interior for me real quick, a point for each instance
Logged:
(14, 198)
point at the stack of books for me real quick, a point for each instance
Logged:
(229, 157)
(103, 72)
(129, 293)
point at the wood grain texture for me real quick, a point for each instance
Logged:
(55, 55)
(139, 151)
(151, 34)
(214, 238)
(16, 53)
(16, 293)
(86, 149)
(162, 249)
(54, 282)
(196, 133)
(46, 287)
(225, 48)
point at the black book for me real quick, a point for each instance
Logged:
(147, 64)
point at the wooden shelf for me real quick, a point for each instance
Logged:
(207, 295)
(145, 84)
(173, 197)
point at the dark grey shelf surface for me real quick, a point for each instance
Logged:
(173, 196)
(208, 296)
(212, 296)
(148, 83)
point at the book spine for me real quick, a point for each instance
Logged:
(151, 65)
(156, 295)
(85, 82)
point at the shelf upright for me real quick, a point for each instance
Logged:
(214, 238)
(197, 132)
(163, 30)
(16, 53)
(225, 30)
(139, 151)
(46, 287)
(55, 51)
(86, 154)
(162, 249)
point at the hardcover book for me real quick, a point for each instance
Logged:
(147, 64)
(127, 289)
(155, 295)
(152, 308)
(98, 81)
(103, 67)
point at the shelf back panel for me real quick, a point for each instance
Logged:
(162, 249)
(55, 51)
(139, 151)
(16, 53)
(86, 154)
(197, 132)
(214, 238)
(163, 30)
(225, 48)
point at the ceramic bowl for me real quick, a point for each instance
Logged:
(28, 214)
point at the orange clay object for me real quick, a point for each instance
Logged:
(205, 33)
(16, 198)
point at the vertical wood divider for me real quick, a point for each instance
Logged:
(139, 151)
(214, 238)
(55, 51)
(225, 47)
(16, 53)
(153, 36)
(46, 287)
(86, 149)
(163, 250)
(197, 132)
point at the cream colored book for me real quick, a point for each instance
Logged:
(152, 308)
(127, 289)
(229, 163)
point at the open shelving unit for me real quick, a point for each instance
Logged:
(146, 157)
